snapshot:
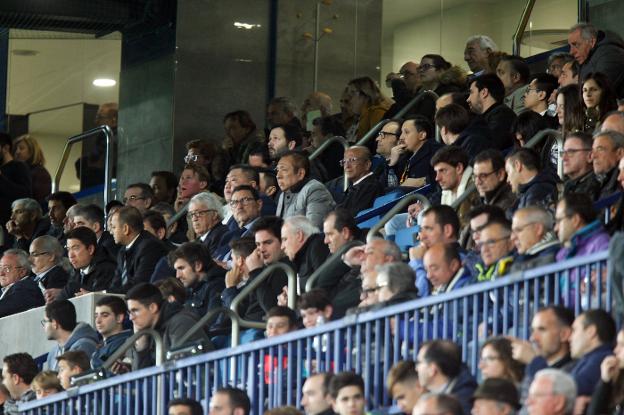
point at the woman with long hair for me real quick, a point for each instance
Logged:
(440, 76)
(570, 109)
(598, 99)
(497, 361)
(27, 150)
(368, 105)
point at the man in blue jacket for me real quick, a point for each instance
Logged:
(110, 312)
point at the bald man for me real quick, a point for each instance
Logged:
(614, 122)
(444, 268)
(363, 185)
(404, 88)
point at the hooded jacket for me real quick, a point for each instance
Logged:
(475, 138)
(83, 338)
(108, 347)
(607, 56)
(308, 198)
(541, 190)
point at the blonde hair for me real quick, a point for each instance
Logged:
(36, 154)
(367, 87)
(46, 380)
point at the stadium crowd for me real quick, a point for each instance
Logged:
(260, 199)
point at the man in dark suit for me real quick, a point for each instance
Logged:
(363, 185)
(92, 216)
(140, 249)
(27, 222)
(206, 212)
(19, 292)
(46, 254)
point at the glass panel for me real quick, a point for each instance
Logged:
(607, 15)
(548, 26)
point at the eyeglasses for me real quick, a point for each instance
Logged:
(8, 268)
(482, 176)
(38, 254)
(573, 151)
(383, 134)
(367, 291)
(191, 158)
(491, 242)
(132, 198)
(425, 67)
(242, 201)
(45, 321)
(519, 229)
(489, 359)
(199, 213)
(351, 160)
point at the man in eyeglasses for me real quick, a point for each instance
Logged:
(496, 248)
(607, 150)
(363, 185)
(205, 214)
(139, 195)
(19, 292)
(490, 179)
(577, 165)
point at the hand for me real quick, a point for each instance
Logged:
(233, 277)
(51, 294)
(609, 369)
(417, 252)
(120, 367)
(179, 203)
(412, 213)
(395, 153)
(282, 299)
(522, 350)
(222, 264)
(13, 229)
(355, 256)
(82, 292)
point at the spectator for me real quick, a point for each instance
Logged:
(172, 290)
(140, 250)
(140, 196)
(48, 264)
(154, 222)
(526, 126)
(301, 195)
(496, 250)
(537, 95)
(27, 222)
(259, 157)
(593, 334)
(58, 204)
(405, 87)
(282, 139)
(497, 361)
(552, 392)
(532, 232)
(314, 307)
(368, 104)
(147, 309)
(94, 269)
(71, 364)
(478, 48)
(167, 211)
(193, 180)
(478, 218)
(598, 51)
(315, 398)
(210, 156)
(496, 397)
(244, 175)
(445, 271)
(110, 312)
(280, 320)
(246, 205)
(514, 72)
(27, 150)
(607, 150)
(395, 283)
(229, 401)
(487, 93)
(241, 129)
(19, 290)
(201, 276)
(578, 166)
(556, 61)
(570, 113)
(92, 216)
(282, 111)
(347, 393)
(387, 139)
(403, 385)
(324, 128)
(490, 179)
(528, 181)
(439, 76)
(15, 180)
(163, 184)
(569, 74)
(364, 187)
(613, 122)
(317, 104)
(205, 214)
(184, 406)
(46, 383)
(18, 371)
(60, 325)
(598, 99)
(440, 370)
(456, 128)
(439, 403)
(607, 395)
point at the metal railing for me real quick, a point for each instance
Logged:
(273, 370)
(323, 147)
(330, 262)
(108, 161)
(522, 24)
(404, 202)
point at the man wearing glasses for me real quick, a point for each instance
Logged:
(607, 150)
(205, 214)
(19, 292)
(577, 165)
(496, 249)
(363, 185)
(139, 195)
(491, 180)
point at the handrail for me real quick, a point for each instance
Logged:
(396, 209)
(254, 283)
(461, 198)
(234, 317)
(373, 131)
(540, 136)
(160, 352)
(522, 24)
(108, 134)
(176, 217)
(321, 149)
(329, 262)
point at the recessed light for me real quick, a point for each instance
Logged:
(247, 26)
(104, 82)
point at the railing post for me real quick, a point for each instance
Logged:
(405, 201)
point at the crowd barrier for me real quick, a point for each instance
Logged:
(272, 371)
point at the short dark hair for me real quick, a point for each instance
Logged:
(493, 156)
(503, 222)
(422, 124)
(329, 126)
(116, 304)
(299, 161)
(155, 219)
(586, 138)
(146, 294)
(527, 157)
(453, 117)
(518, 66)
(316, 298)
(67, 199)
(447, 404)
(63, 312)
(527, 124)
(170, 179)
(343, 218)
(260, 149)
(281, 311)
(246, 187)
(564, 315)
(453, 155)
(130, 216)
(172, 286)
(579, 204)
(445, 354)
(451, 252)
(113, 203)
(605, 325)
(85, 235)
(249, 171)
(404, 371)
(194, 406)
(445, 215)
(545, 82)
(22, 365)
(492, 212)
(493, 84)
(271, 224)
(459, 98)
(76, 358)
(93, 213)
(243, 117)
(291, 132)
(192, 252)
(438, 61)
(244, 246)
(146, 189)
(238, 398)
(344, 379)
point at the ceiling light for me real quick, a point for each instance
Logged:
(104, 82)
(247, 26)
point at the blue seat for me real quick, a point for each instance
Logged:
(406, 238)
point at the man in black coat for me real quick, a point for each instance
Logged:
(456, 128)
(19, 291)
(140, 250)
(27, 222)
(364, 187)
(15, 180)
(92, 216)
(205, 211)
(46, 255)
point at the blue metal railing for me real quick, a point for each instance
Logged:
(272, 370)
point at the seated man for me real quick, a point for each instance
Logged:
(301, 195)
(92, 216)
(403, 385)
(245, 262)
(282, 139)
(194, 179)
(19, 291)
(94, 269)
(445, 271)
(71, 364)
(347, 392)
(496, 396)
(395, 283)
(148, 309)
(229, 400)
(607, 150)
(478, 217)
(496, 249)
(18, 371)
(532, 232)
(537, 95)
(387, 139)
(553, 391)
(205, 214)
(438, 403)
(184, 406)
(163, 184)
(456, 128)
(578, 166)
(315, 398)
(514, 73)
(244, 175)
(314, 307)
(490, 179)
(528, 181)
(46, 256)
(139, 195)
(280, 320)
(364, 187)
(58, 203)
(27, 223)
(139, 253)
(110, 312)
